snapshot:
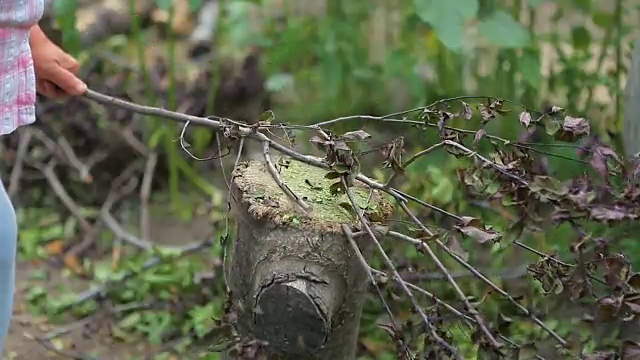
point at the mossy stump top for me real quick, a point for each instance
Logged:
(266, 200)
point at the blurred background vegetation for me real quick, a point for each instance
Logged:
(317, 60)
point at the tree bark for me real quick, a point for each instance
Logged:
(294, 278)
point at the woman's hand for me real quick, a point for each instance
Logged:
(55, 69)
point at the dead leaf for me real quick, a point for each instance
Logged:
(481, 236)
(54, 248)
(525, 118)
(467, 113)
(73, 263)
(356, 135)
(479, 135)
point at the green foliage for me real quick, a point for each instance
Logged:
(448, 18)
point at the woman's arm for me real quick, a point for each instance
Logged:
(37, 36)
(55, 69)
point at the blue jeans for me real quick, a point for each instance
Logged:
(8, 247)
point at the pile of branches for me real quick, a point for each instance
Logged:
(598, 279)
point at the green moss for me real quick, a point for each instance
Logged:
(266, 199)
(309, 183)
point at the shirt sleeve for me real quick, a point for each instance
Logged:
(20, 13)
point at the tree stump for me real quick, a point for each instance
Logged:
(295, 280)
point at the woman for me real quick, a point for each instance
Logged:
(29, 62)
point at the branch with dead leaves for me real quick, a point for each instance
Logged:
(528, 187)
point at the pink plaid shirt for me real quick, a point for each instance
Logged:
(17, 78)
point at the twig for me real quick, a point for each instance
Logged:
(64, 196)
(224, 240)
(145, 191)
(115, 195)
(224, 173)
(474, 312)
(349, 235)
(16, 172)
(278, 179)
(429, 326)
(499, 168)
(153, 111)
(475, 272)
(431, 296)
(414, 158)
(67, 354)
(257, 133)
(63, 330)
(60, 148)
(185, 146)
(83, 170)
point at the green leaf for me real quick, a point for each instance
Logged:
(164, 4)
(267, 117)
(602, 19)
(194, 5)
(130, 320)
(530, 68)
(502, 30)
(447, 18)
(581, 38)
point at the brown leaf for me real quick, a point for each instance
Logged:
(485, 113)
(573, 128)
(467, 113)
(481, 236)
(525, 118)
(479, 135)
(608, 307)
(634, 308)
(608, 152)
(320, 143)
(549, 184)
(73, 263)
(635, 174)
(599, 163)
(554, 110)
(392, 153)
(356, 135)
(54, 248)
(606, 214)
(470, 221)
(616, 270)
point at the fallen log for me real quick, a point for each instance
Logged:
(294, 278)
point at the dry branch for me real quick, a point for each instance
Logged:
(282, 255)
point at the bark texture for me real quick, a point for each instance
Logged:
(295, 280)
